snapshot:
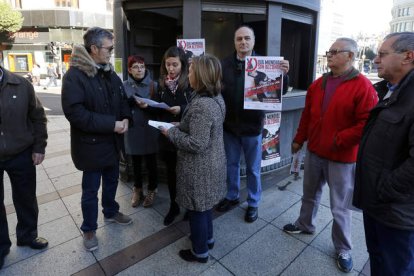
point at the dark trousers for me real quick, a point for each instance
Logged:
(201, 228)
(391, 250)
(170, 158)
(91, 181)
(22, 174)
(151, 165)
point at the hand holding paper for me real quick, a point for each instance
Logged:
(151, 102)
(158, 124)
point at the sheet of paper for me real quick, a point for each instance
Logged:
(158, 124)
(152, 103)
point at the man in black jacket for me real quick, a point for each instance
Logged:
(384, 180)
(94, 102)
(242, 128)
(23, 142)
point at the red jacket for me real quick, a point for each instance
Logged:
(335, 134)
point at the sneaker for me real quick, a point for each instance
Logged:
(293, 229)
(120, 219)
(137, 197)
(344, 262)
(226, 204)
(90, 241)
(149, 199)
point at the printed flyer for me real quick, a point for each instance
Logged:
(263, 83)
(192, 47)
(270, 139)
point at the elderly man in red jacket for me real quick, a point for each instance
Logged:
(336, 109)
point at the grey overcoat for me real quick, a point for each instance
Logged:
(201, 160)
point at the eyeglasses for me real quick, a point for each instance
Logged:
(334, 52)
(138, 66)
(384, 54)
(109, 49)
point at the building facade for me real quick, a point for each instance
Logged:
(50, 28)
(402, 16)
(287, 28)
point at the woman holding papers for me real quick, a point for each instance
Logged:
(175, 91)
(201, 164)
(141, 140)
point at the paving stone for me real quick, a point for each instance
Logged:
(167, 262)
(230, 230)
(267, 252)
(313, 262)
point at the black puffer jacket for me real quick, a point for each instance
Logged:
(181, 98)
(239, 121)
(92, 100)
(384, 186)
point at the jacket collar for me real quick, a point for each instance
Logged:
(350, 74)
(9, 78)
(83, 61)
(146, 81)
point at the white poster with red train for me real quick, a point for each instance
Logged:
(192, 47)
(263, 83)
(270, 139)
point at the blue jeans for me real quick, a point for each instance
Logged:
(91, 180)
(252, 149)
(391, 250)
(201, 228)
(22, 174)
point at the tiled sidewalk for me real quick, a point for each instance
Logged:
(146, 247)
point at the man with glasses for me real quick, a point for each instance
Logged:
(95, 104)
(336, 108)
(384, 176)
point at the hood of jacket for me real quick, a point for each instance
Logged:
(82, 60)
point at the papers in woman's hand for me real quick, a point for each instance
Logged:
(151, 102)
(158, 124)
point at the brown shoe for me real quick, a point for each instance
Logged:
(137, 197)
(149, 199)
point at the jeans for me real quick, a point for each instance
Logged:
(252, 149)
(22, 174)
(91, 181)
(391, 250)
(151, 165)
(201, 228)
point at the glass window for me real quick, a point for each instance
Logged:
(16, 4)
(67, 3)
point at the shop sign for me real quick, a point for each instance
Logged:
(29, 37)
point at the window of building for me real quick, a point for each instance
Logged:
(407, 11)
(399, 12)
(67, 3)
(16, 4)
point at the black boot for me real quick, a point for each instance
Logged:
(172, 213)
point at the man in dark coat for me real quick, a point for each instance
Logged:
(242, 128)
(23, 139)
(384, 179)
(95, 104)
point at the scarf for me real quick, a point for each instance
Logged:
(172, 84)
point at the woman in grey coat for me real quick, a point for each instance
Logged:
(201, 162)
(141, 140)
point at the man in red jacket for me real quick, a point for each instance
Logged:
(336, 109)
